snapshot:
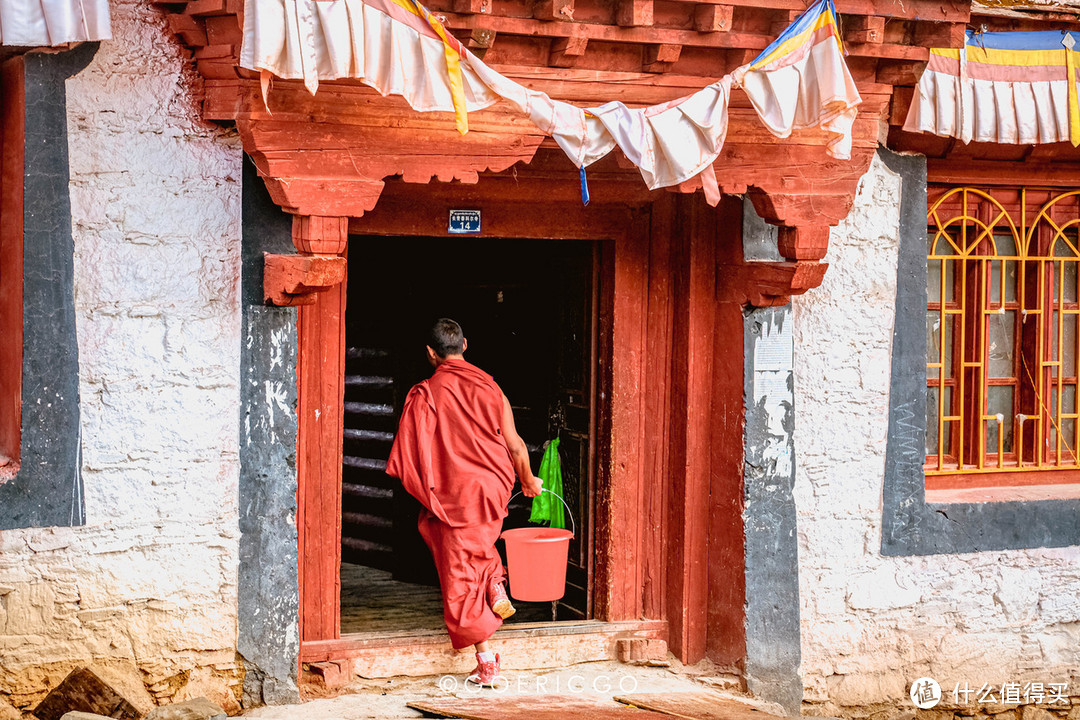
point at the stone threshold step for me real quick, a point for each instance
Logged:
(526, 646)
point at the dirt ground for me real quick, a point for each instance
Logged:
(387, 698)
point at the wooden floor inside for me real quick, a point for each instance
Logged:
(373, 602)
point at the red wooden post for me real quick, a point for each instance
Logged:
(691, 430)
(657, 403)
(12, 118)
(618, 580)
(321, 403)
(726, 636)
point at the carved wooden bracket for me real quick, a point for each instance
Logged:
(290, 280)
(805, 242)
(774, 283)
(319, 234)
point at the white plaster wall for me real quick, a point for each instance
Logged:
(145, 593)
(873, 624)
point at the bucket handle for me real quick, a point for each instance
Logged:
(573, 525)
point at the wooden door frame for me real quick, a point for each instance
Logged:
(411, 210)
(668, 523)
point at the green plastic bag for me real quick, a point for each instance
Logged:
(546, 508)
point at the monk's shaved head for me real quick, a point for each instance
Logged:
(446, 338)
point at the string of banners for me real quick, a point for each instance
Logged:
(398, 47)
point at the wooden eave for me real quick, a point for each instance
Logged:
(330, 154)
(952, 161)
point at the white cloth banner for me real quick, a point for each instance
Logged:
(1011, 88)
(39, 23)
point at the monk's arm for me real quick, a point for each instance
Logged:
(530, 485)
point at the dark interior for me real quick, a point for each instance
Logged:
(526, 307)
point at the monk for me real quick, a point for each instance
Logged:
(457, 452)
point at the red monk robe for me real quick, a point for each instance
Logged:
(450, 454)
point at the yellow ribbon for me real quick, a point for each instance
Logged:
(453, 68)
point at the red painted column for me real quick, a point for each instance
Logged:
(657, 445)
(694, 268)
(320, 410)
(618, 572)
(12, 119)
(726, 636)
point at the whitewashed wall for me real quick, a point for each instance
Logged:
(873, 624)
(145, 594)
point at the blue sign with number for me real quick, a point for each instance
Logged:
(464, 222)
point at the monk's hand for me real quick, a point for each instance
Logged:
(531, 486)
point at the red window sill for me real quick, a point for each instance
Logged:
(1004, 493)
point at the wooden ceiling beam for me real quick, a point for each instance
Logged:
(660, 58)
(531, 27)
(634, 13)
(864, 29)
(554, 10)
(713, 18)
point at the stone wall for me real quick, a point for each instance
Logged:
(145, 592)
(871, 624)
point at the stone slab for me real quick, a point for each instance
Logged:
(83, 691)
(197, 709)
(703, 705)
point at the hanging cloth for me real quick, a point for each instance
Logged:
(546, 508)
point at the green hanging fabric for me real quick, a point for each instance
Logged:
(546, 508)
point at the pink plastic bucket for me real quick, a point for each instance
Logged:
(536, 561)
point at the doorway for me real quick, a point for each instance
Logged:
(528, 309)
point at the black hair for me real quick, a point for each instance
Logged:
(446, 338)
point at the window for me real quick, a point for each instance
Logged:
(1002, 337)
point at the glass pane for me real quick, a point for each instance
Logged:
(1062, 249)
(1068, 346)
(995, 284)
(933, 348)
(1068, 399)
(933, 281)
(1000, 403)
(1001, 342)
(1005, 244)
(1068, 440)
(1069, 282)
(1053, 336)
(948, 436)
(942, 246)
(931, 420)
(949, 327)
